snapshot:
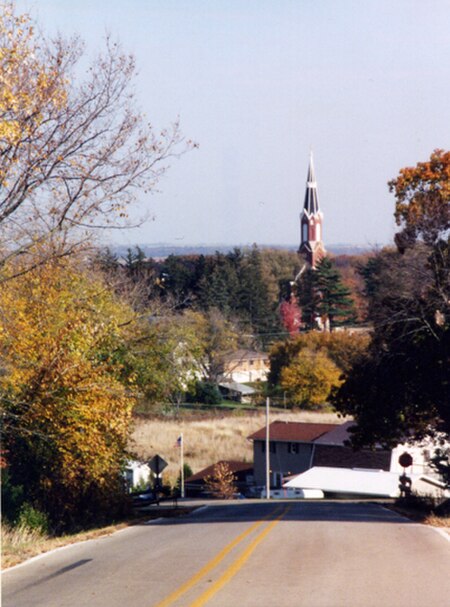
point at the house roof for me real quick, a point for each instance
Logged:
(339, 456)
(236, 387)
(337, 436)
(241, 355)
(234, 466)
(346, 480)
(293, 431)
(358, 481)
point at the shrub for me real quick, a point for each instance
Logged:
(187, 472)
(143, 484)
(221, 483)
(33, 519)
(12, 497)
(205, 392)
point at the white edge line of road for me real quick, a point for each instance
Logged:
(94, 539)
(152, 521)
(441, 532)
(44, 554)
(65, 547)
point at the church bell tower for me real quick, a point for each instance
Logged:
(311, 219)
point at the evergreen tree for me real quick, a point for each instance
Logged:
(135, 263)
(335, 303)
(254, 299)
(106, 260)
(213, 292)
(219, 285)
(180, 279)
(308, 299)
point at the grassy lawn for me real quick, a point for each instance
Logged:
(420, 511)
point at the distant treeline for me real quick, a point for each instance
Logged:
(162, 250)
(246, 285)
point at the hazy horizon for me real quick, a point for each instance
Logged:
(258, 84)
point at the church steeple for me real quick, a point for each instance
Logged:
(311, 205)
(311, 218)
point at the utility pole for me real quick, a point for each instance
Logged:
(267, 451)
(182, 466)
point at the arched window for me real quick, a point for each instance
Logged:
(305, 232)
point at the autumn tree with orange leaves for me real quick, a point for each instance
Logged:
(401, 390)
(422, 195)
(65, 397)
(222, 482)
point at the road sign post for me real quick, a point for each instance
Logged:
(405, 460)
(157, 465)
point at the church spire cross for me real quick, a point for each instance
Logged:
(311, 218)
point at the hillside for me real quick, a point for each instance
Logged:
(209, 440)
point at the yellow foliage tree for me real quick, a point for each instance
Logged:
(310, 377)
(342, 347)
(65, 402)
(29, 87)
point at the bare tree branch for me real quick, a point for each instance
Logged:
(73, 153)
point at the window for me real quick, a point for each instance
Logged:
(305, 232)
(277, 479)
(272, 447)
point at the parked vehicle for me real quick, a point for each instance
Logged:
(291, 493)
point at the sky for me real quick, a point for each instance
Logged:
(364, 84)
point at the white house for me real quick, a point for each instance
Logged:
(244, 366)
(136, 473)
(370, 481)
(421, 454)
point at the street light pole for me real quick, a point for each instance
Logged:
(267, 451)
(182, 467)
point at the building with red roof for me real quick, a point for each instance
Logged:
(295, 447)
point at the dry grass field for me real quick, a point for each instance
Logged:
(209, 440)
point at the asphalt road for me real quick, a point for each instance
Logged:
(247, 554)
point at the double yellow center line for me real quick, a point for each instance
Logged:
(233, 568)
